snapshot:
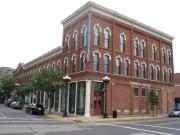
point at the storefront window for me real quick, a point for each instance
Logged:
(72, 94)
(81, 94)
(56, 100)
(63, 98)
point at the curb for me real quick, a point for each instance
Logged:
(55, 117)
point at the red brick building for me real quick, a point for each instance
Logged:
(177, 89)
(99, 42)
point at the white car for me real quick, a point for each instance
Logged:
(175, 113)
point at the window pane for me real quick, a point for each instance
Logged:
(143, 92)
(135, 91)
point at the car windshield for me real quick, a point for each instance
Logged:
(39, 105)
(176, 109)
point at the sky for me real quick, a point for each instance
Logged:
(30, 28)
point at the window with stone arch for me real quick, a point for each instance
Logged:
(67, 41)
(169, 56)
(106, 63)
(65, 65)
(143, 70)
(107, 35)
(97, 35)
(136, 46)
(75, 38)
(118, 65)
(169, 75)
(143, 49)
(164, 74)
(96, 56)
(136, 69)
(126, 67)
(84, 35)
(122, 42)
(154, 49)
(73, 65)
(163, 56)
(151, 72)
(82, 61)
(157, 73)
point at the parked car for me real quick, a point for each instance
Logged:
(174, 113)
(16, 105)
(34, 109)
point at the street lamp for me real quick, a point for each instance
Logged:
(106, 80)
(66, 79)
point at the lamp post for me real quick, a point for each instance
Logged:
(66, 79)
(106, 80)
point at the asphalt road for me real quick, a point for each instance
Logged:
(17, 122)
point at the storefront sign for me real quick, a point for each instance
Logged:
(139, 84)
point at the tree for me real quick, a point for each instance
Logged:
(8, 85)
(46, 80)
(154, 100)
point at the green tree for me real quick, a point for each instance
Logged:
(154, 100)
(8, 85)
(47, 80)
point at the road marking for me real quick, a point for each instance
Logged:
(138, 129)
(28, 121)
(155, 126)
(3, 116)
(168, 123)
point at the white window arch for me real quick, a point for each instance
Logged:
(73, 63)
(136, 46)
(107, 55)
(118, 64)
(143, 48)
(97, 51)
(67, 41)
(107, 35)
(169, 56)
(84, 33)
(163, 53)
(97, 25)
(75, 39)
(154, 52)
(164, 73)
(157, 68)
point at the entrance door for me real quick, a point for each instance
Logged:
(98, 102)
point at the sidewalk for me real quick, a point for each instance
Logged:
(74, 118)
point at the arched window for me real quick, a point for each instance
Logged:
(67, 43)
(83, 61)
(73, 64)
(126, 69)
(75, 37)
(157, 73)
(136, 44)
(143, 71)
(136, 71)
(65, 65)
(122, 42)
(169, 75)
(151, 72)
(107, 38)
(169, 56)
(163, 56)
(97, 36)
(106, 63)
(84, 32)
(143, 49)
(96, 62)
(154, 52)
(164, 74)
(118, 66)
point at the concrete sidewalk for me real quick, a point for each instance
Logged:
(72, 118)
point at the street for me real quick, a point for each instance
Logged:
(17, 122)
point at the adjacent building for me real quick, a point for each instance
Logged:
(99, 42)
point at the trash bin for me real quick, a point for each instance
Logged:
(114, 113)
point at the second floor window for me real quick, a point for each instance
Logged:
(107, 39)
(83, 61)
(73, 64)
(96, 62)
(151, 72)
(126, 69)
(157, 74)
(118, 66)
(96, 36)
(106, 64)
(67, 44)
(169, 76)
(136, 44)
(164, 75)
(169, 56)
(136, 71)
(143, 71)
(65, 66)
